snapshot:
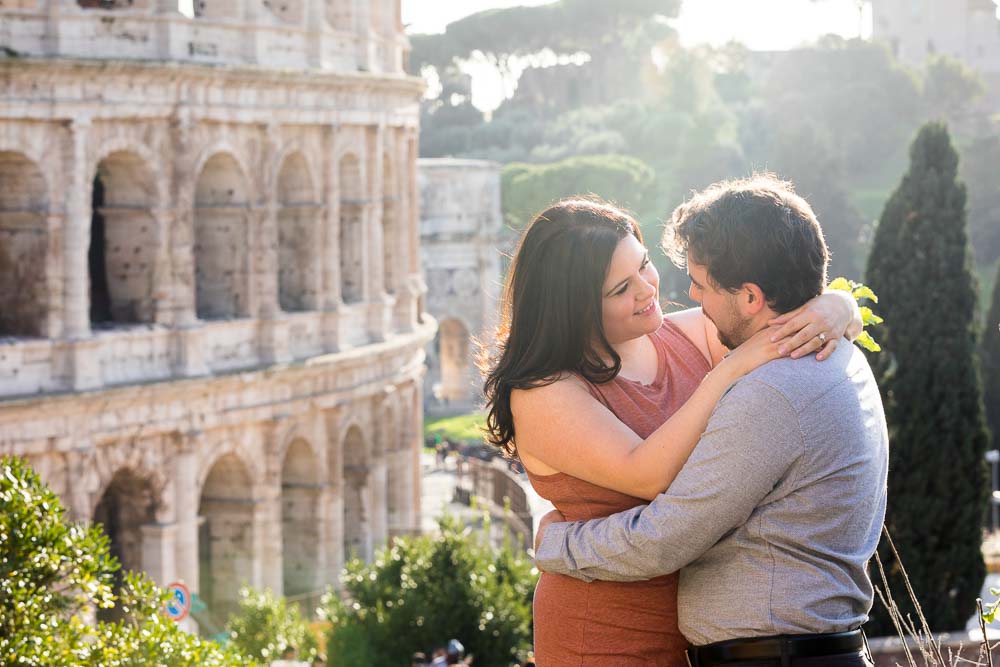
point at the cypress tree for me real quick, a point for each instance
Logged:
(938, 485)
(990, 360)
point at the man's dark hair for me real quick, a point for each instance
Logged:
(752, 230)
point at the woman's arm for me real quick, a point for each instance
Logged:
(834, 313)
(565, 429)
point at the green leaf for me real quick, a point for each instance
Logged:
(864, 292)
(868, 317)
(840, 283)
(866, 341)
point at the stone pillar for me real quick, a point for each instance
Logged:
(77, 235)
(380, 306)
(379, 521)
(186, 507)
(267, 562)
(158, 552)
(329, 297)
(163, 303)
(332, 502)
(273, 338)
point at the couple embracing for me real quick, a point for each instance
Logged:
(718, 473)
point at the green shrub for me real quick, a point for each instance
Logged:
(53, 573)
(423, 591)
(267, 628)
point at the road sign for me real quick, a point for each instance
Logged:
(179, 604)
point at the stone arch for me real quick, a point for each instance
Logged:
(221, 244)
(454, 353)
(357, 495)
(352, 212)
(298, 242)
(392, 232)
(129, 502)
(24, 241)
(300, 497)
(225, 536)
(123, 241)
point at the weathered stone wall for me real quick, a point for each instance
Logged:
(183, 355)
(460, 225)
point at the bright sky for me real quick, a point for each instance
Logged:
(760, 24)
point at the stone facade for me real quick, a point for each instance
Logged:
(460, 229)
(210, 329)
(967, 30)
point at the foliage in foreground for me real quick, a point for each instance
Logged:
(938, 487)
(463, 428)
(990, 354)
(267, 628)
(53, 573)
(423, 591)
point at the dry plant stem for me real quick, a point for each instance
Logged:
(982, 626)
(894, 614)
(913, 597)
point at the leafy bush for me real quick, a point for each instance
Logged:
(423, 591)
(267, 628)
(464, 428)
(53, 573)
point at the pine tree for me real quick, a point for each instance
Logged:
(920, 268)
(990, 363)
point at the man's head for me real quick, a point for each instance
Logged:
(753, 249)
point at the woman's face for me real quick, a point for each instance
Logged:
(630, 293)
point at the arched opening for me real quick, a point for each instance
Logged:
(455, 357)
(351, 230)
(113, 4)
(297, 242)
(391, 229)
(225, 538)
(221, 205)
(127, 504)
(357, 496)
(123, 242)
(299, 521)
(24, 241)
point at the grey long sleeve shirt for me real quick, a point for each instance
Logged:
(774, 516)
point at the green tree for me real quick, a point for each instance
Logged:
(425, 590)
(920, 268)
(528, 189)
(950, 87)
(267, 628)
(990, 360)
(52, 573)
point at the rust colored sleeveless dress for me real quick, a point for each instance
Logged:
(609, 623)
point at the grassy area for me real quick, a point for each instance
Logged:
(460, 427)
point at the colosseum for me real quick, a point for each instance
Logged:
(211, 330)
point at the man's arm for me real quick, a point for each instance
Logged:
(751, 441)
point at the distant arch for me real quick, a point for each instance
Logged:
(24, 242)
(352, 192)
(455, 356)
(298, 244)
(221, 244)
(123, 241)
(300, 497)
(128, 502)
(225, 537)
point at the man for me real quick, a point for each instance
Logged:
(776, 513)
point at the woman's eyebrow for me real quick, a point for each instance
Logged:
(645, 258)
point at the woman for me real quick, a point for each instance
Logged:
(606, 399)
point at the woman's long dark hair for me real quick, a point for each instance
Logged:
(551, 309)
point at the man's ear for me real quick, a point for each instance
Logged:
(751, 299)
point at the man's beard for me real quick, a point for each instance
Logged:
(737, 331)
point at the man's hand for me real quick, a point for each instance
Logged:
(554, 516)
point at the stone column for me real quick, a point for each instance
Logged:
(54, 279)
(329, 297)
(186, 507)
(379, 521)
(380, 306)
(163, 303)
(332, 501)
(158, 551)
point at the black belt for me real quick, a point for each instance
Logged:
(782, 647)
